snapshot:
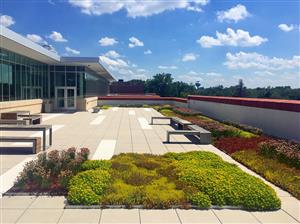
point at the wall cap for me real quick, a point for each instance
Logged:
(275, 104)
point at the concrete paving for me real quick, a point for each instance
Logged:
(123, 130)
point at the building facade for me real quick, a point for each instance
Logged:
(29, 71)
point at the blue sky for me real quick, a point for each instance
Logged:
(214, 42)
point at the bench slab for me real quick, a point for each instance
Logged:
(159, 118)
(36, 141)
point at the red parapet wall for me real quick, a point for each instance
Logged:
(142, 97)
(275, 104)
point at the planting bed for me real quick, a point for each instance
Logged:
(276, 160)
(201, 179)
(185, 180)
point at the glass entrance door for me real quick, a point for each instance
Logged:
(65, 98)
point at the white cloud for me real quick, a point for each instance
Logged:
(285, 27)
(6, 20)
(235, 14)
(141, 70)
(189, 57)
(57, 37)
(148, 51)
(36, 38)
(135, 8)
(72, 51)
(107, 41)
(112, 54)
(189, 78)
(254, 60)
(214, 74)
(134, 42)
(238, 38)
(167, 67)
(113, 63)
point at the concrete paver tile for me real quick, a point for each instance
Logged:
(120, 216)
(80, 216)
(41, 216)
(16, 201)
(274, 217)
(292, 206)
(197, 216)
(10, 215)
(49, 202)
(229, 216)
(159, 216)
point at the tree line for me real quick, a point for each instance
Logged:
(163, 84)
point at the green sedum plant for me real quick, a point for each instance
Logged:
(224, 183)
(201, 200)
(94, 182)
(96, 164)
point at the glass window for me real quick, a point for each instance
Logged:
(18, 82)
(60, 79)
(52, 79)
(60, 68)
(80, 68)
(71, 79)
(70, 68)
(20, 75)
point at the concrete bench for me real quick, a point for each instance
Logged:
(160, 118)
(180, 123)
(205, 135)
(32, 119)
(202, 134)
(181, 132)
(36, 141)
(13, 122)
(42, 128)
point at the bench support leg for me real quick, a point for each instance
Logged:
(44, 140)
(50, 136)
(168, 137)
(34, 147)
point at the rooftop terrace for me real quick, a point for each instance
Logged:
(107, 133)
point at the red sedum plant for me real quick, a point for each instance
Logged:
(234, 144)
(51, 171)
(286, 152)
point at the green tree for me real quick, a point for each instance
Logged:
(160, 84)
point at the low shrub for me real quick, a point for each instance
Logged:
(185, 111)
(96, 164)
(162, 193)
(105, 107)
(92, 182)
(51, 171)
(167, 112)
(121, 193)
(201, 200)
(139, 177)
(282, 175)
(284, 151)
(248, 128)
(233, 144)
(165, 107)
(217, 128)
